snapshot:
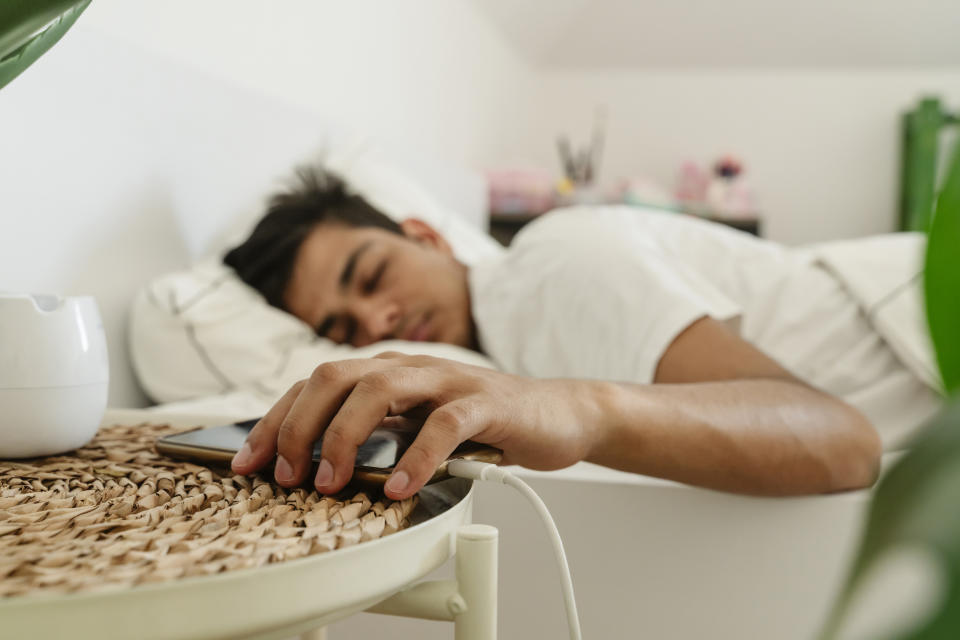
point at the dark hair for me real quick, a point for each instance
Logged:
(265, 259)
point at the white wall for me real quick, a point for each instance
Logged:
(820, 147)
(754, 34)
(809, 94)
(429, 73)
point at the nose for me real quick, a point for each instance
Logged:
(376, 320)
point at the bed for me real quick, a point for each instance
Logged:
(182, 163)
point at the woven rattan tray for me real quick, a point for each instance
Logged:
(116, 513)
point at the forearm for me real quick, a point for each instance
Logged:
(757, 436)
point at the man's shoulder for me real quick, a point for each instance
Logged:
(611, 223)
(589, 225)
(574, 247)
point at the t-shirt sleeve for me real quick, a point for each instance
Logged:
(607, 314)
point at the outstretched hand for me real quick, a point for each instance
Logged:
(541, 424)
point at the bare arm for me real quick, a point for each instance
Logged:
(728, 417)
(722, 415)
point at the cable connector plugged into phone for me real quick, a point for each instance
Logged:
(474, 470)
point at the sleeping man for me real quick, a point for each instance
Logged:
(644, 341)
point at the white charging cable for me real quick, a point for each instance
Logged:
(492, 473)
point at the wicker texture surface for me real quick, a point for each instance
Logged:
(115, 513)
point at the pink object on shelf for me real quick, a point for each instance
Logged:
(722, 191)
(520, 190)
(728, 193)
(692, 183)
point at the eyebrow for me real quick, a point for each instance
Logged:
(351, 265)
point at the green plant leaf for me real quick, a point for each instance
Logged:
(917, 503)
(942, 279)
(28, 28)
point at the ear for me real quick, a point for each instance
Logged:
(422, 233)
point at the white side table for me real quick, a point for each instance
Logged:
(299, 596)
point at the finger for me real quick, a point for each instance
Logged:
(446, 428)
(376, 396)
(318, 402)
(412, 360)
(261, 443)
(402, 423)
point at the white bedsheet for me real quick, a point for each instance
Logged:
(885, 275)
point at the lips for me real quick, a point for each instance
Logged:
(420, 331)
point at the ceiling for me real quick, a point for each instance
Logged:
(754, 34)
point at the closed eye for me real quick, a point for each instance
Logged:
(339, 329)
(371, 284)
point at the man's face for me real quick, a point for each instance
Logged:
(363, 285)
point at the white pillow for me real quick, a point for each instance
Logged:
(202, 331)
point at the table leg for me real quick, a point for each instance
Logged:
(476, 567)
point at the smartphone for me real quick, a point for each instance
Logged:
(376, 458)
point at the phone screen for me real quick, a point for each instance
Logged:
(382, 449)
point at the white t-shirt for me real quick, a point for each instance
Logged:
(602, 292)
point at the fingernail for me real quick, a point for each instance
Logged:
(324, 473)
(282, 470)
(243, 456)
(397, 482)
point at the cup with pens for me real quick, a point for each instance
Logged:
(579, 184)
